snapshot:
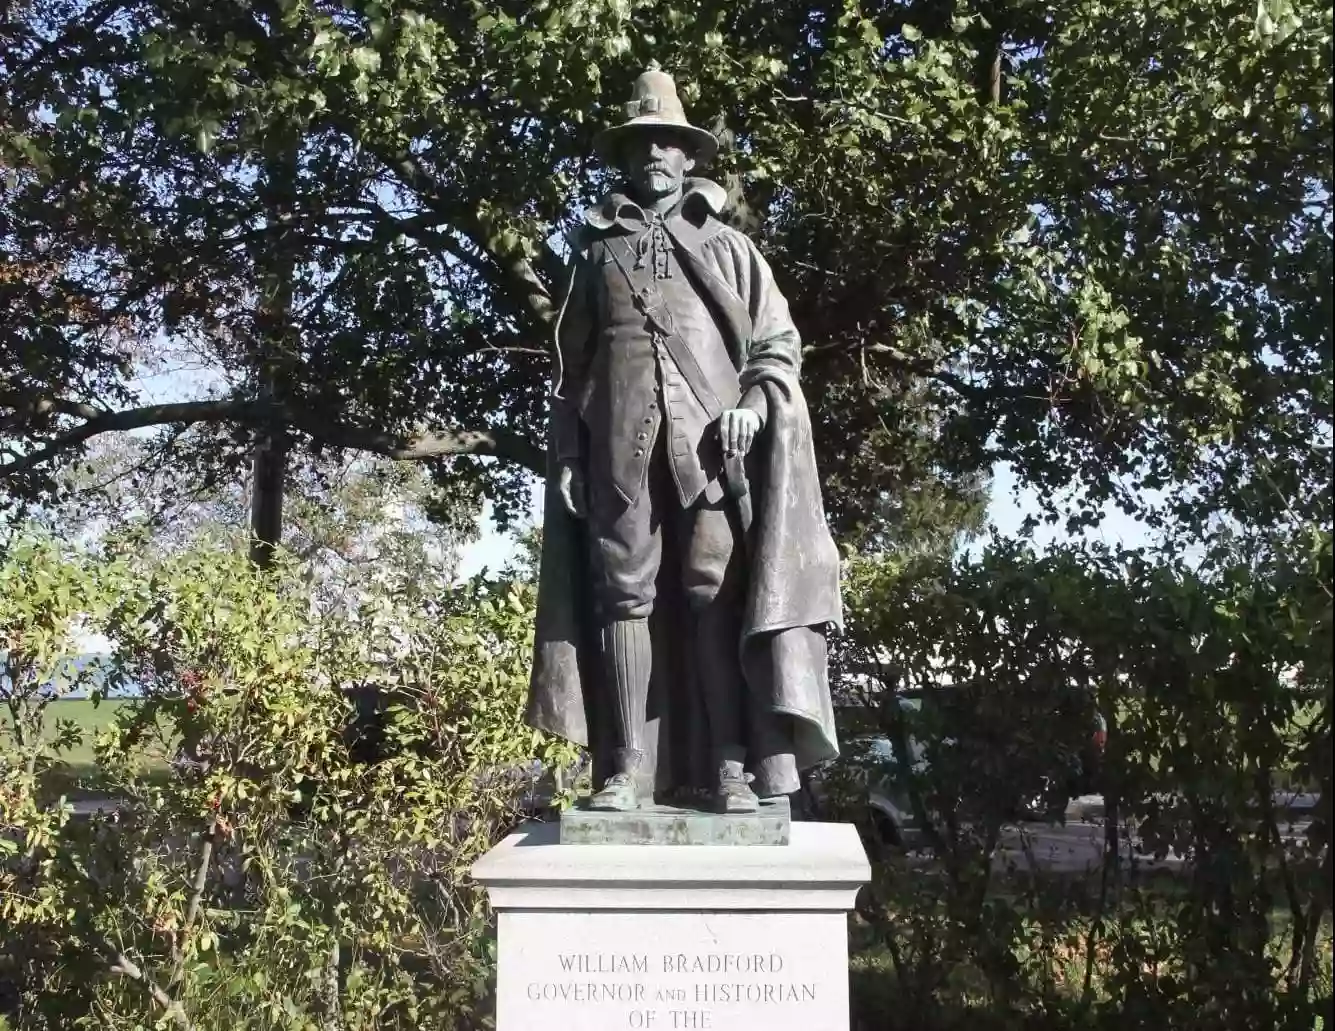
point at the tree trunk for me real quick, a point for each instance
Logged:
(994, 77)
(269, 472)
(275, 349)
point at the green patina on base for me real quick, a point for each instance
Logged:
(671, 825)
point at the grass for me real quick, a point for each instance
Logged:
(75, 771)
(89, 716)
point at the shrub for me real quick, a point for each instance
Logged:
(273, 879)
(1216, 685)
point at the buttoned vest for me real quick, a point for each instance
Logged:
(635, 390)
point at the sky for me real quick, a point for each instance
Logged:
(1010, 505)
(1010, 502)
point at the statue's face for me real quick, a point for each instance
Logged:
(656, 161)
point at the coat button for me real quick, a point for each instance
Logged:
(639, 452)
(641, 436)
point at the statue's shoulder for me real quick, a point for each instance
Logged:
(701, 207)
(719, 243)
(587, 244)
(730, 236)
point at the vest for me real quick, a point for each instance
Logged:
(634, 390)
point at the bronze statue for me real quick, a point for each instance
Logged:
(688, 575)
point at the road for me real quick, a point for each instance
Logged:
(1078, 845)
(1075, 847)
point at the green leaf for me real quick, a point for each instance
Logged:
(365, 59)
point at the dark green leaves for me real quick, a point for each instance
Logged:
(1091, 239)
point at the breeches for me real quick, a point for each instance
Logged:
(630, 540)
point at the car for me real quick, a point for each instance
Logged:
(886, 810)
(867, 766)
(1083, 778)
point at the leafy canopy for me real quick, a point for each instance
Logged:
(1092, 239)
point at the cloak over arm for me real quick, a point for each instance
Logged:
(775, 344)
(574, 332)
(774, 349)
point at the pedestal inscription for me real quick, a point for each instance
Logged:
(728, 938)
(723, 971)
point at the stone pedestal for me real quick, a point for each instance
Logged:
(727, 938)
(771, 824)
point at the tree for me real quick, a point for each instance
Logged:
(1009, 231)
(282, 882)
(348, 523)
(1215, 683)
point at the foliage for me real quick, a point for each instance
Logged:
(1092, 239)
(343, 520)
(274, 881)
(1216, 685)
(1012, 231)
(46, 598)
(90, 716)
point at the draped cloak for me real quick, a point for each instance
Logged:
(792, 595)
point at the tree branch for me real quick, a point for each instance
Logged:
(916, 366)
(30, 406)
(517, 273)
(87, 23)
(122, 964)
(421, 228)
(498, 442)
(196, 899)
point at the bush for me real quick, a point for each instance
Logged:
(1216, 685)
(269, 865)
(274, 880)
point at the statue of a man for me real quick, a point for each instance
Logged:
(688, 575)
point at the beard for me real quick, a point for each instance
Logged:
(659, 182)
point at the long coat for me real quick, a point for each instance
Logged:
(792, 599)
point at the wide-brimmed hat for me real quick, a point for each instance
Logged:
(654, 104)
